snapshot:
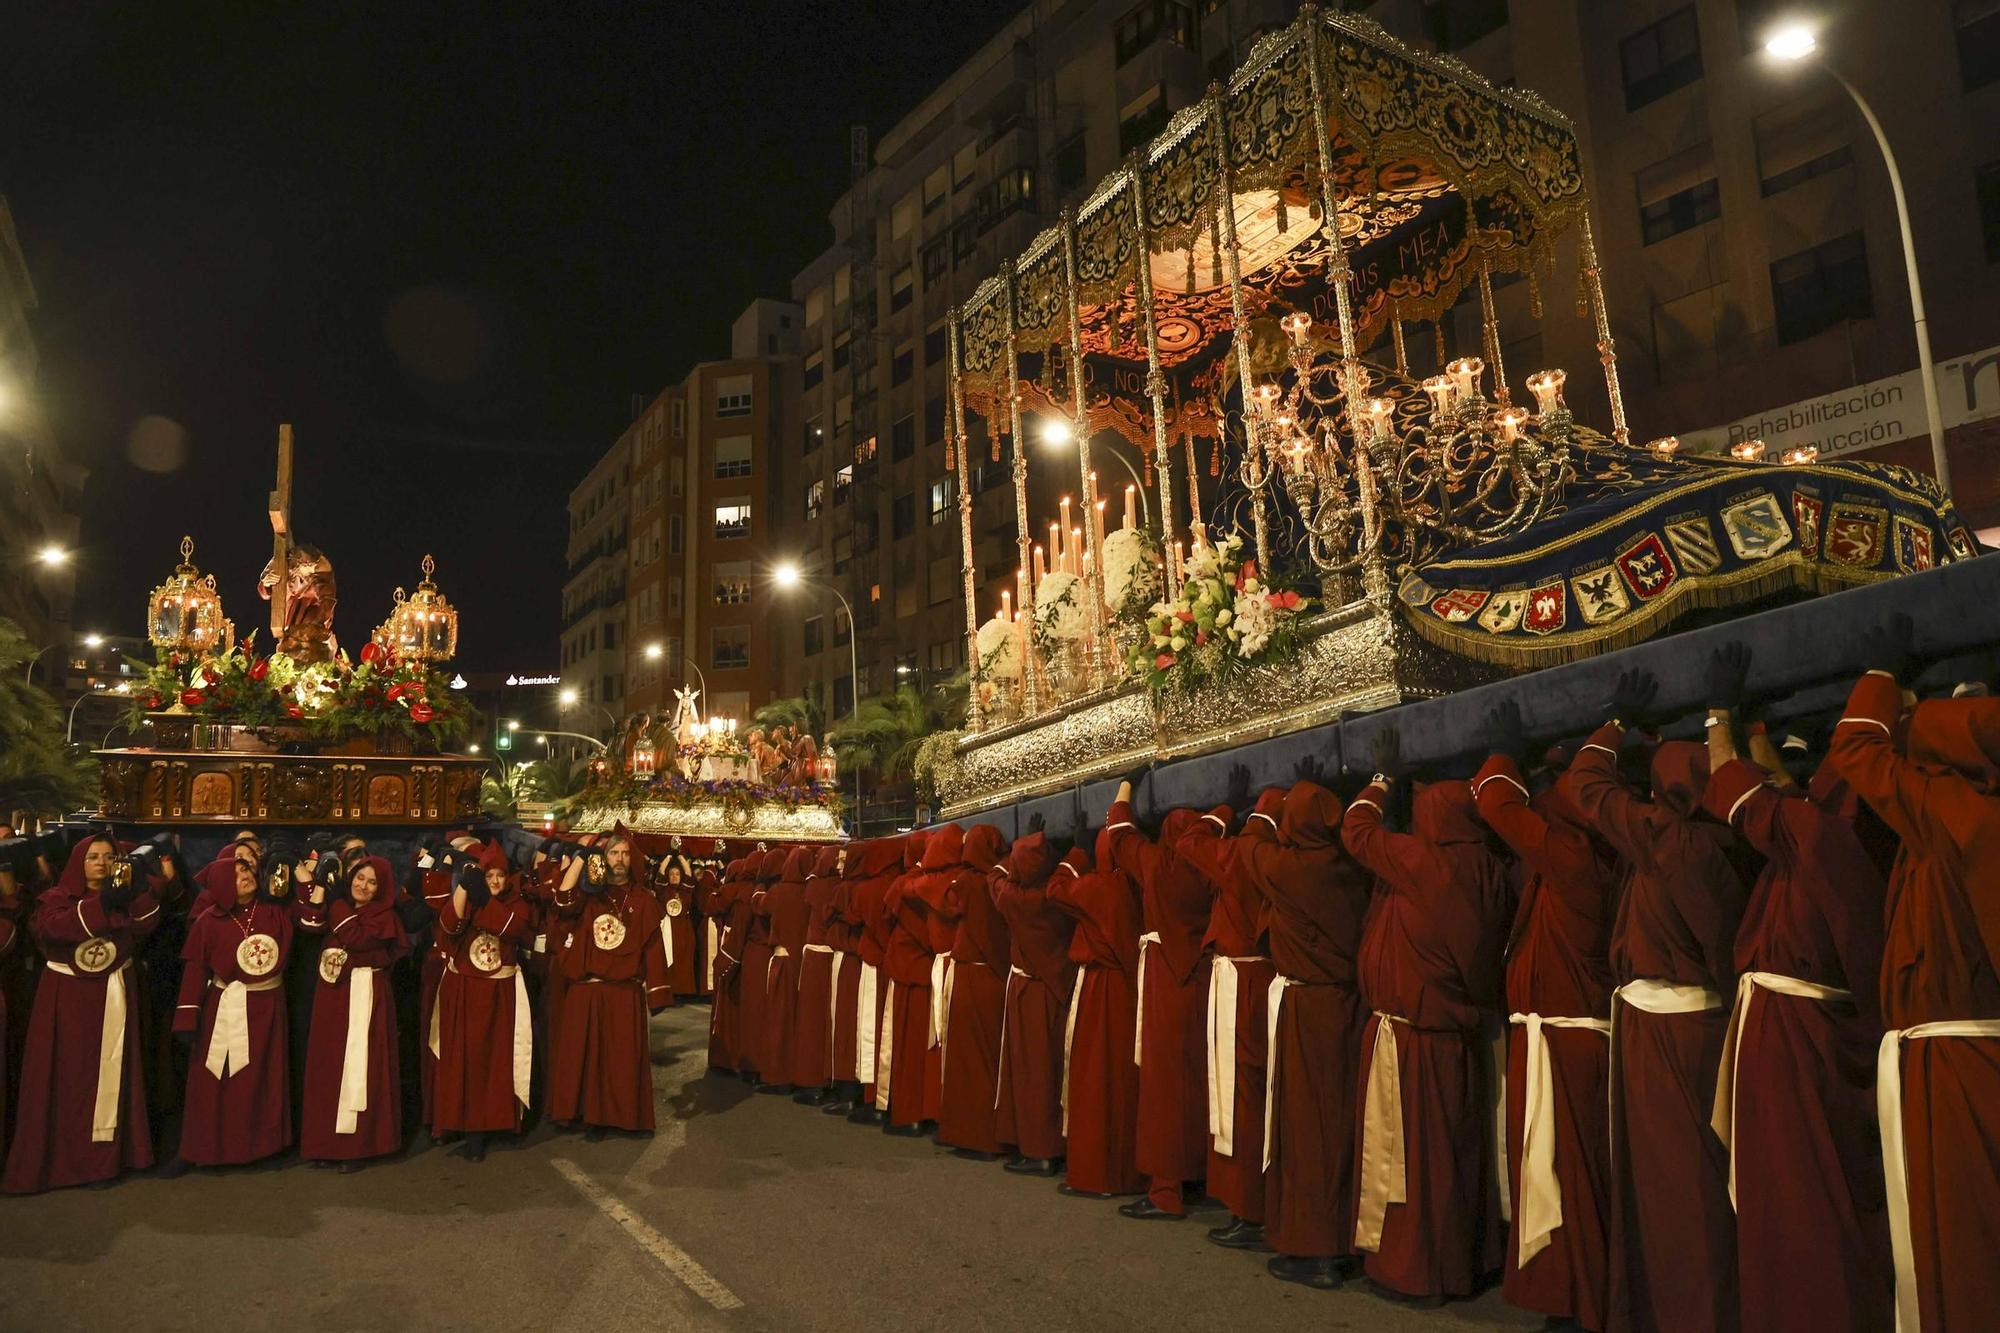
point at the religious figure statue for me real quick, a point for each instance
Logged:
(309, 593)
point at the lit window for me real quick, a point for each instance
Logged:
(843, 484)
(732, 519)
(732, 584)
(815, 498)
(944, 497)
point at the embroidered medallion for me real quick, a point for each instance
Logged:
(1648, 569)
(1414, 591)
(1600, 596)
(1807, 510)
(1548, 609)
(1856, 535)
(1503, 614)
(1756, 526)
(1914, 551)
(484, 951)
(1694, 542)
(1961, 544)
(607, 932)
(674, 907)
(257, 955)
(95, 955)
(332, 962)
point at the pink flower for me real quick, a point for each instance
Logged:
(1163, 661)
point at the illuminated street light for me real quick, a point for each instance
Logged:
(513, 724)
(655, 651)
(786, 575)
(93, 640)
(472, 748)
(568, 697)
(1791, 44)
(52, 555)
(543, 739)
(1056, 432)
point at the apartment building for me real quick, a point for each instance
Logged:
(707, 525)
(1742, 211)
(594, 616)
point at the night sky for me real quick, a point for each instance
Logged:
(446, 246)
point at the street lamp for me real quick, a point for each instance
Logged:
(570, 698)
(656, 651)
(52, 555)
(1796, 42)
(93, 640)
(788, 576)
(1055, 433)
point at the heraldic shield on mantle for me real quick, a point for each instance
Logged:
(1238, 294)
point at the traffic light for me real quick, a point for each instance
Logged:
(505, 741)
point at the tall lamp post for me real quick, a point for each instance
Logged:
(655, 651)
(1055, 432)
(569, 698)
(788, 576)
(1794, 43)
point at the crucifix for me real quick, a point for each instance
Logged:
(281, 532)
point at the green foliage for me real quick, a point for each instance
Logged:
(562, 782)
(39, 771)
(804, 714)
(887, 730)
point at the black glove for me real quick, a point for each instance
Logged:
(326, 870)
(473, 880)
(1632, 697)
(1504, 733)
(1889, 646)
(184, 1040)
(118, 895)
(1036, 823)
(1308, 769)
(1386, 752)
(1728, 671)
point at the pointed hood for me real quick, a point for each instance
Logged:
(1680, 776)
(1177, 824)
(491, 857)
(1075, 862)
(878, 856)
(1961, 735)
(1444, 814)
(945, 848)
(983, 847)
(385, 883)
(1031, 859)
(1308, 817)
(798, 861)
(1270, 808)
(913, 848)
(827, 863)
(71, 880)
(218, 882)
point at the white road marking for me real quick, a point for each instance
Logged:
(671, 1256)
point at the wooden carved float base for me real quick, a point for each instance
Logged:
(1360, 657)
(225, 787)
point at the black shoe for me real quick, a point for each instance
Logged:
(1076, 1193)
(1146, 1210)
(974, 1155)
(813, 1096)
(1196, 1199)
(595, 1134)
(777, 1089)
(1240, 1235)
(904, 1131)
(103, 1184)
(175, 1169)
(865, 1115)
(1035, 1166)
(320, 1163)
(840, 1107)
(349, 1168)
(475, 1147)
(1320, 1274)
(927, 1127)
(747, 1075)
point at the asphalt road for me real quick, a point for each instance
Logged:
(744, 1212)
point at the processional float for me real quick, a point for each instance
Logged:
(1243, 289)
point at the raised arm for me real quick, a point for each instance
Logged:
(1930, 811)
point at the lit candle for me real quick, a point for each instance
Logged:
(1055, 549)
(1097, 517)
(1065, 520)
(1076, 552)
(1006, 607)
(1131, 493)
(1040, 573)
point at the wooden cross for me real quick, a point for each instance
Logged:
(281, 534)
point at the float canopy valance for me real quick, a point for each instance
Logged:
(1435, 172)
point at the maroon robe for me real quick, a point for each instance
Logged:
(677, 915)
(615, 974)
(1940, 963)
(911, 1055)
(1238, 951)
(1430, 968)
(728, 904)
(244, 1115)
(812, 1023)
(970, 1053)
(475, 1072)
(871, 867)
(1028, 1110)
(372, 938)
(869, 903)
(88, 947)
(1812, 1243)
(17, 998)
(785, 905)
(435, 883)
(1558, 967)
(755, 965)
(1176, 898)
(1102, 1080)
(1673, 1233)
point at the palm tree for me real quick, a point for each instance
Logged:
(887, 730)
(500, 794)
(558, 781)
(40, 772)
(803, 713)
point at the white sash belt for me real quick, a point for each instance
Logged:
(1222, 1052)
(887, 1052)
(229, 1040)
(353, 1098)
(833, 1006)
(867, 1023)
(1006, 1003)
(1895, 1168)
(1539, 1212)
(1069, 1040)
(941, 967)
(1722, 1116)
(1384, 1170)
(714, 948)
(524, 1037)
(1139, 1027)
(110, 1052)
(667, 933)
(771, 965)
(1654, 997)
(1274, 1000)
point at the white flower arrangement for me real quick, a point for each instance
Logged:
(999, 651)
(1223, 611)
(1131, 573)
(1059, 613)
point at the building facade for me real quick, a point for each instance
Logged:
(1743, 217)
(594, 593)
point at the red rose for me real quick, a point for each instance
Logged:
(151, 701)
(421, 712)
(1163, 661)
(260, 668)
(1185, 616)
(293, 710)
(1201, 638)
(371, 651)
(192, 698)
